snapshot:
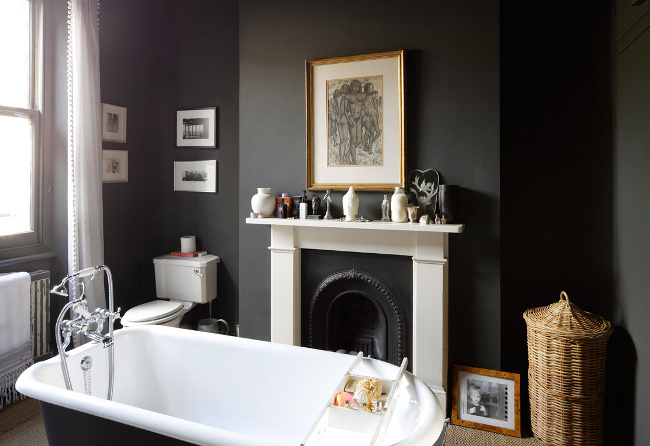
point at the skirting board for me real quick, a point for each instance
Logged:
(441, 394)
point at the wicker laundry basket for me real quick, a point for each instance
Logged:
(566, 373)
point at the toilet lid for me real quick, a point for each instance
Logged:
(151, 311)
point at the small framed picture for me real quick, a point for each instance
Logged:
(196, 128)
(195, 176)
(486, 399)
(113, 123)
(115, 166)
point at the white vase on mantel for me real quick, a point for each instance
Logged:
(263, 202)
(350, 205)
(398, 204)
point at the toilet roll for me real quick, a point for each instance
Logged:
(188, 244)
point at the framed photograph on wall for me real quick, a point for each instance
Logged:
(355, 122)
(486, 399)
(113, 123)
(197, 128)
(115, 166)
(195, 176)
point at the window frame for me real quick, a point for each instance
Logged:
(13, 246)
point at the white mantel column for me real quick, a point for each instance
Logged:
(285, 287)
(430, 276)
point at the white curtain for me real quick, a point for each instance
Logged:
(85, 209)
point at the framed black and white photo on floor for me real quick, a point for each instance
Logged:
(487, 399)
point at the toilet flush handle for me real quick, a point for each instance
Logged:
(196, 271)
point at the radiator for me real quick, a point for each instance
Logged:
(40, 313)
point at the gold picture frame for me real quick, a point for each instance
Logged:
(355, 122)
(487, 399)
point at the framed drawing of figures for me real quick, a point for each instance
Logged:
(355, 122)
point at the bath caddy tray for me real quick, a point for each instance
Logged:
(343, 426)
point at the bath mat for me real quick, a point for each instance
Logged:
(465, 436)
(18, 413)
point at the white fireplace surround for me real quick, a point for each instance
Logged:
(427, 245)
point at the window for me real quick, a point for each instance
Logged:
(20, 123)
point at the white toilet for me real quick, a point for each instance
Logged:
(185, 281)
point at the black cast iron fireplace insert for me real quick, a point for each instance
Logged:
(354, 310)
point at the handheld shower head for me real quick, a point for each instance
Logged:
(60, 289)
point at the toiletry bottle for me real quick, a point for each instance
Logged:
(398, 205)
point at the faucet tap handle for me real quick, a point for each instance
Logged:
(100, 325)
(116, 314)
(81, 309)
(66, 342)
(67, 333)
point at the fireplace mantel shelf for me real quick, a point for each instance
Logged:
(369, 225)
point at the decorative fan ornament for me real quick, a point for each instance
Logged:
(423, 186)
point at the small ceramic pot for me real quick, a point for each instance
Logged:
(413, 213)
(263, 203)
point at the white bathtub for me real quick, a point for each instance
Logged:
(210, 389)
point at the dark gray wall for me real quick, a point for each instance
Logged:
(628, 348)
(158, 57)
(452, 97)
(556, 174)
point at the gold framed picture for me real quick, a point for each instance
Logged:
(355, 122)
(487, 399)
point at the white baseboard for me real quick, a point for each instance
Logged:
(441, 394)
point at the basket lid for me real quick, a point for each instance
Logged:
(565, 319)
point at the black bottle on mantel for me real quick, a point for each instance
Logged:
(282, 210)
(295, 206)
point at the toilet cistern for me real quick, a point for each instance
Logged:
(184, 281)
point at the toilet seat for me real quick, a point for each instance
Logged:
(154, 312)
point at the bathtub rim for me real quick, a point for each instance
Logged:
(167, 425)
(191, 431)
(133, 416)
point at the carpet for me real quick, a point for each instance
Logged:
(29, 433)
(21, 424)
(18, 413)
(465, 436)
